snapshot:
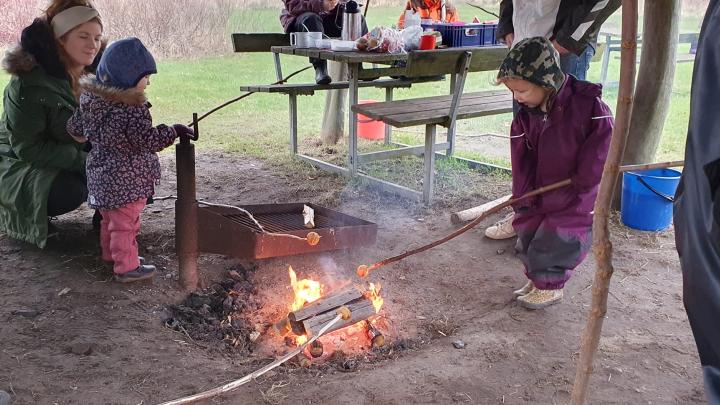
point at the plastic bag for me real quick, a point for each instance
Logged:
(412, 19)
(381, 40)
(411, 37)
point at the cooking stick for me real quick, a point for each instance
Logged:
(343, 313)
(364, 270)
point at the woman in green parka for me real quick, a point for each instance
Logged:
(42, 169)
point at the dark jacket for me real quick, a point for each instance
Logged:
(122, 166)
(34, 145)
(293, 9)
(577, 23)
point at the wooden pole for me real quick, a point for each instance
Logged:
(601, 240)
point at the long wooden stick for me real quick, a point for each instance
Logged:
(364, 270)
(474, 212)
(235, 384)
(601, 238)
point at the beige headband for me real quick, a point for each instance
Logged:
(70, 18)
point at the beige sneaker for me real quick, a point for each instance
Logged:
(524, 290)
(502, 229)
(539, 299)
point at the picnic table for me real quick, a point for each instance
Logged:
(364, 68)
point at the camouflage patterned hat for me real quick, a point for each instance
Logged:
(535, 60)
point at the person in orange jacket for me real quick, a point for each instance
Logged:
(429, 9)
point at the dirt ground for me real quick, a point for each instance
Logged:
(70, 335)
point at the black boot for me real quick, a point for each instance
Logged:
(321, 73)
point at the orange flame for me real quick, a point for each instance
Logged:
(373, 294)
(305, 290)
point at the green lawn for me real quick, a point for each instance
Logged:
(258, 125)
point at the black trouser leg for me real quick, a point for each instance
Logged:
(67, 193)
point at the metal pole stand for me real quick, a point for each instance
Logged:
(186, 215)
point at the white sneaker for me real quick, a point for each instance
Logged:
(502, 229)
(539, 299)
(524, 290)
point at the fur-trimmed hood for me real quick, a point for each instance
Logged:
(38, 47)
(133, 97)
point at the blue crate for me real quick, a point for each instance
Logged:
(476, 34)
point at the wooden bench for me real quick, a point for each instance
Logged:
(614, 44)
(439, 110)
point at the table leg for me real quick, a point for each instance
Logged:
(278, 67)
(429, 165)
(293, 124)
(451, 129)
(353, 71)
(605, 59)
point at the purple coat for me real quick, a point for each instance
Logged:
(122, 166)
(293, 9)
(570, 141)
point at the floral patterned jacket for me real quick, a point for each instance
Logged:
(122, 166)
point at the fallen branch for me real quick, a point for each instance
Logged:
(364, 270)
(342, 314)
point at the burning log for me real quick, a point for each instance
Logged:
(309, 319)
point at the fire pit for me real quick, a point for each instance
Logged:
(231, 232)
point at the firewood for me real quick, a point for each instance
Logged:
(326, 304)
(360, 309)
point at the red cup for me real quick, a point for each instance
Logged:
(428, 42)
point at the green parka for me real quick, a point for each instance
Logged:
(34, 145)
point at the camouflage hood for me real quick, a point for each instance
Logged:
(535, 60)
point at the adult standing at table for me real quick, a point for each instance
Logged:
(571, 25)
(697, 205)
(324, 16)
(42, 169)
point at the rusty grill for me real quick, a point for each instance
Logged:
(229, 232)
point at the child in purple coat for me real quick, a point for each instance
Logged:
(122, 166)
(562, 131)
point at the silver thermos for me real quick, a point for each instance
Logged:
(352, 21)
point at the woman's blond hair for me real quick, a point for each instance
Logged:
(54, 8)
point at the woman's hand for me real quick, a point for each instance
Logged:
(561, 50)
(79, 139)
(329, 5)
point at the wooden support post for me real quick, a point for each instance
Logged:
(186, 215)
(388, 128)
(462, 71)
(601, 238)
(293, 124)
(429, 165)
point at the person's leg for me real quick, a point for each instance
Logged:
(577, 65)
(123, 224)
(312, 22)
(67, 193)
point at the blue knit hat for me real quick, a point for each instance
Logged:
(124, 63)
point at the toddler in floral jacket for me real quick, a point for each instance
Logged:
(122, 166)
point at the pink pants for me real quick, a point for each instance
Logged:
(118, 230)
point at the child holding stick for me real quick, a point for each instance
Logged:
(562, 131)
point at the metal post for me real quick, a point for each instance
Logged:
(293, 124)
(429, 165)
(388, 128)
(606, 59)
(186, 216)
(278, 67)
(353, 70)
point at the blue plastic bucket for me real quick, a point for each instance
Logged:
(647, 198)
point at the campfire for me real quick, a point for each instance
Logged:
(313, 306)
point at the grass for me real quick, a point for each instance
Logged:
(258, 125)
